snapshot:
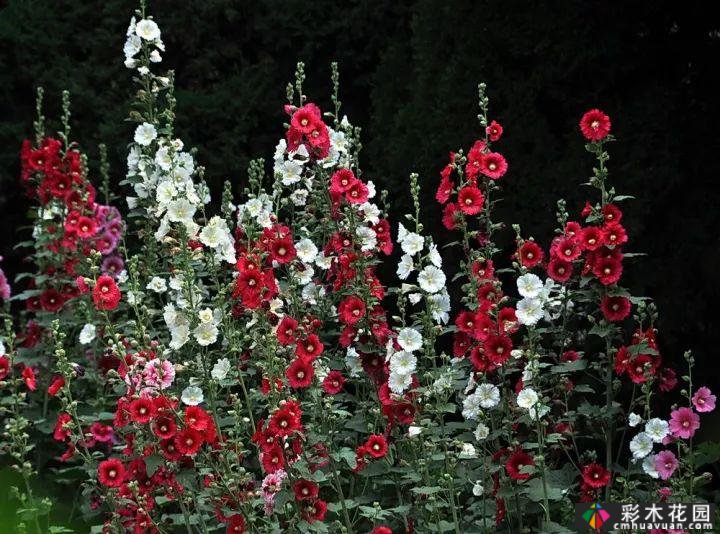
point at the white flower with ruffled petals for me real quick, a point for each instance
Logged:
(192, 396)
(431, 279)
(409, 339)
(147, 29)
(145, 134)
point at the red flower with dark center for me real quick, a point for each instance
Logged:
(235, 524)
(351, 310)
(493, 165)
(592, 238)
(284, 422)
(142, 410)
(611, 214)
(595, 476)
(86, 227)
(309, 348)
(498, 348)
(111, 473)
(494, 131)
(164, 427)
(286, 330)
(595, 125)
(640, 368)
(106, 293)
(471, 200)
(333, 383)
(615, 308)
(451, 216)
(515, 464)
(376, 446)
(272, 458)
(570, 356)
(315, 511)
(188, 441)
(51, 300)
(305, 490)
(566, 249)
(300, 373)
(530, 254)
(559, 270)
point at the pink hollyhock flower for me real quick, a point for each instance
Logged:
(159, 373)
(684, 422)
(666, 463)
(703, 400)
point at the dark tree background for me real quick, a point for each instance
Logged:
(409, 71)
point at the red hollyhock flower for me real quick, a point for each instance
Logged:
(494, 131)
(286, 330)
(272, 458)
(29, 377)
(382, 530)
(235, 524)
(615, 308)
(164, 427)
(566, 248)
(111, 473)
(611, 214)
(333, 383)
(570, 356)
(516, 462)
(188, 441)
(592, 238)
(57, 383)
(530, 254)
(351, 310)
(305, 119)
(507, 321)
(51, 300)
(614, 234)
(282, 250)
(309, 348)
(608, 270)
(640, 368)
(61, 432)
(668, 379)
(595, 475)
(446, 187)
(358, 193)
(451, 216)
(376, 445)
(198, 419)
(595, 125)
(142, 410)
(4, 367)
(493, 165)
(284, 422)
(86, 227)
(315, 511)
(305, 490)
(559, 270)
(300, 373)
(342, 180)
(498, 348)
(470, 200)
(106, 293)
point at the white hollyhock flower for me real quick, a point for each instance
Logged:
(145, 134)
(87, 334)
(290, 172)
(157, 284)
(478, 489)
(529, 285)
(398, 383)
(367, 238)
(634, 420)
(221, 369)
(181, 210)
(488, 394)
(434, 255)
(132, 47)
(403, 362)
(529, 311)
(155, 56)
(409, 339)
(414, 431)
(657, 429)
(147, 29)
(353, 363)
(306, 250)
(179, 335)
(431, 279)
(192, 396)
(471, 406)
(440, 306)
(649, 466)
(481, 432)
(371, 212)
(412, 244)
(402, 233)
(205, 334)
(414, 298)
(641, 445)
(299, 197)
(206, 315)
(467, 451)
(405, 267)
(165, 192)
(527, 398)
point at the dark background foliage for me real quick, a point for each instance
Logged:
(409, 74)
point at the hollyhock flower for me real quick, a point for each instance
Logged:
(608, 270)
(106, 293)
(668, 379)
(29, 378)
(188, 441)
(529, 285)
(111, 473)
(235, 524)
(703, 400)
(342, 180)
(300, 373)
(657, 429)
(305, 490)
(164, 427)
(494, 131)
(640, 368)
(592, 238)
(306, 118)
(272, 459)
(471, 200)
(286, 330)
(376, 446)
(615, 308)
(530, 254)
(614, 234)
(611, 213)
(451, 216)
(333, 383)
(192, 396)
(515, 464)
(358, 193)
(221, 369)
(559, 270)
(351, 310)
(684, 422)
(595, 475)
(595, 125)
(382, 529)
(527, 398)
(665, 463)
(309, 348)
(52, 300)
(409, 339)
(314, 511)
(198, 419)
(431, 279)
(55, 386)
(488, 396)
(282, 250)
(498, 348)
(102, 433)
(566, 248)
(87, 334)
(529, 311)
(493, 165)
(446, 187)
(159, 373)
(61, 431)
(112, 266)
(145, 134)
(641, 445)
(86, 227)
(142, 410)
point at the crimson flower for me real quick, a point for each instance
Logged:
(111, 473)
(595, 125)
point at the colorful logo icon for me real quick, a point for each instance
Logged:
(595, 516)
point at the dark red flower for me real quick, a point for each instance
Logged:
(309, 348)
(451, 216)
(188, 441)
(142, 410)
(235, 524)
(559, 270)
(52, 300)
(592, 238)
(595, 125)
(282, 250)
(498, 348)
(164, 427)
(376, 446)
(515, 464)
(530, 254)
(300, 373)
(272, 458)
(595, 475)
(614, 234)
(286, 330)
(615, 308)
(29, 378)
(471, 200)
(111, 473)
(198, 419)
(608, 270)
(333, 383)
(315, 511)
(305, 490)
(106, 293)
(351, 310)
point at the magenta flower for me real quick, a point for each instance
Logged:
(704, 400)
(665, 464)
(684, 422)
